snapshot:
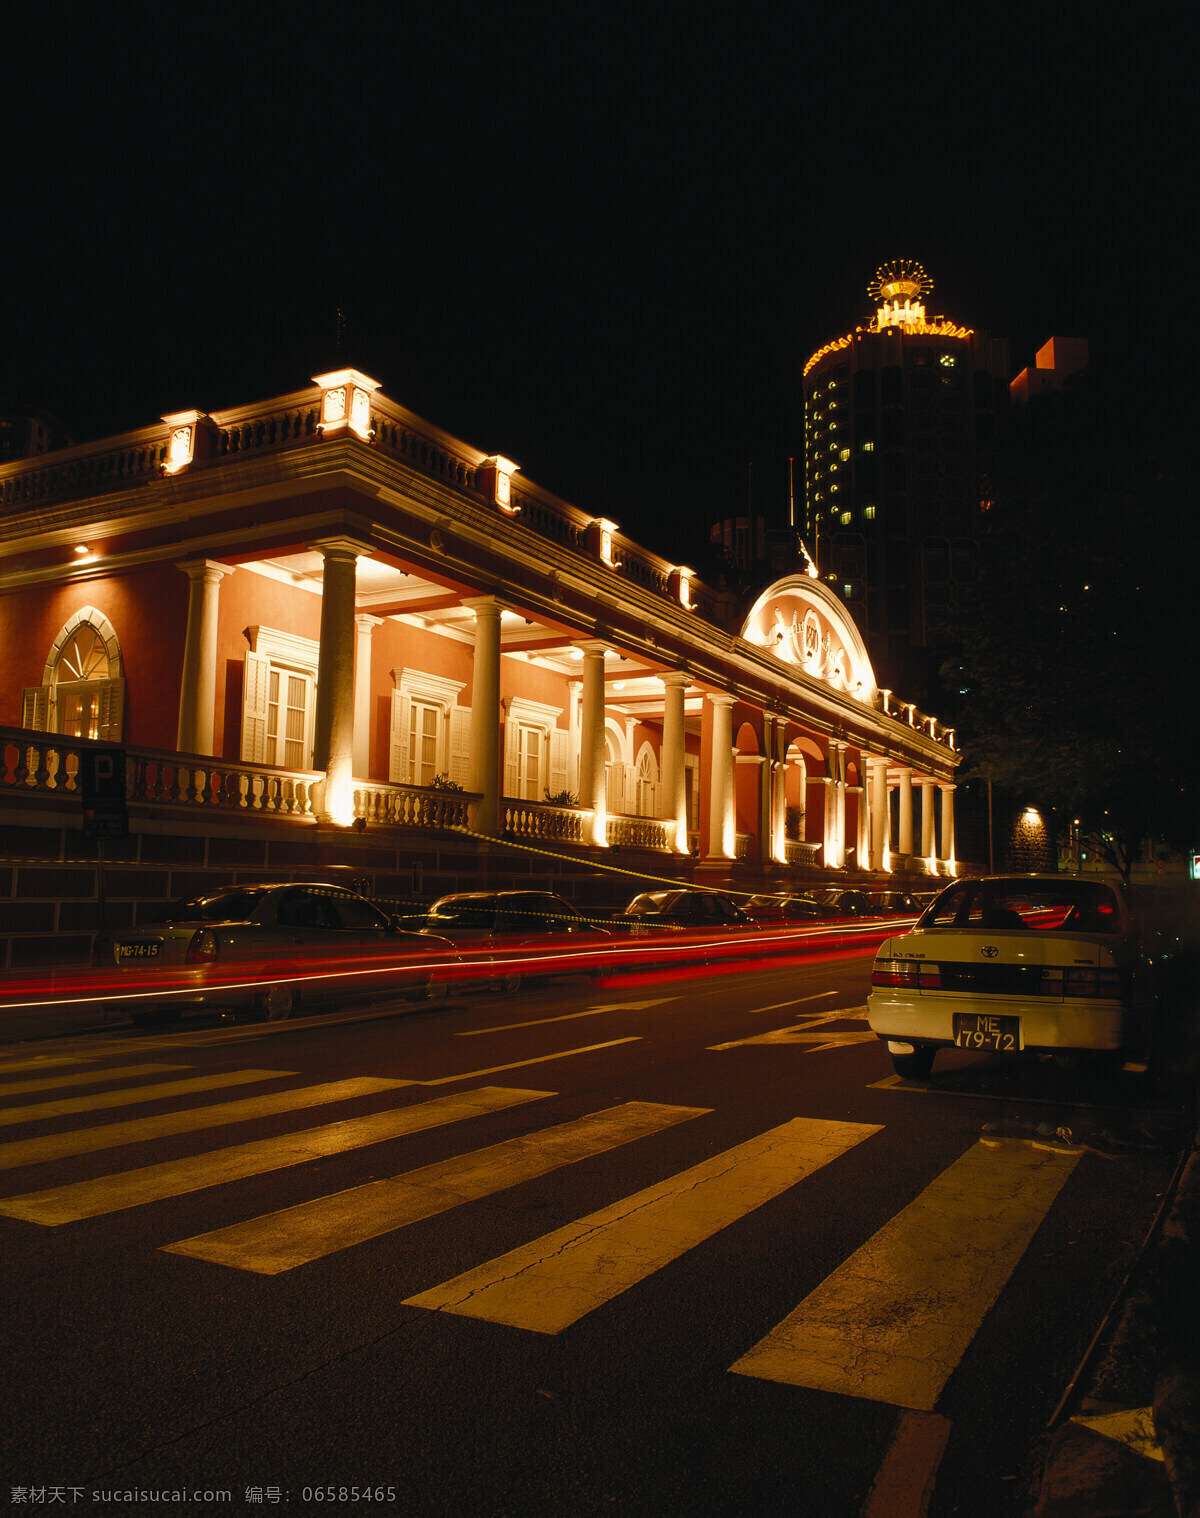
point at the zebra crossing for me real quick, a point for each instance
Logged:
(890, 1324)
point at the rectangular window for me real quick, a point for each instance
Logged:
(287, 719)
(78, 714)
(424, 725)
(530, 761)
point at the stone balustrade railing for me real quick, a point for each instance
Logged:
(411, 806)
(532, 819)
(89, 469)
(49, 764)
(637, 833)
(795, 852)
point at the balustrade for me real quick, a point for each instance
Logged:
(637, 833)
(530, 819)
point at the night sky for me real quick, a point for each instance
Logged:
(599, 240)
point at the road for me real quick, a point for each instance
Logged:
(675, 1247)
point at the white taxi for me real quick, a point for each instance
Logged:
(1007, 963)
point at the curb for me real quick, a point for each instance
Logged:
(1115, 1461)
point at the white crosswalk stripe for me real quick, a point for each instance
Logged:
(283, 1240)
(890, 1324)
(893, 1322)
(153, 1183)
(552, 1282)
(138, 1130)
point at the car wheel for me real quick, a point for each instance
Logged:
(156, 1019)
(276, 1003)
(431, 991)
(509, 982)
(915, 1066)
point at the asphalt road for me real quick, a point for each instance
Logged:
(685, 1247)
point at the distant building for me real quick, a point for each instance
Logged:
(900, 420)
(24, 434)
(1055, 363)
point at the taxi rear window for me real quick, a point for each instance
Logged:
(1036, 906)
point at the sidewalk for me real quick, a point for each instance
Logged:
(1130, 1445)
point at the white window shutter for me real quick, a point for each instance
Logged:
(35, 708)
(512, 757)
(560, 753)
(398, 748)
(111, 710)
(460, 738)
(256, 690)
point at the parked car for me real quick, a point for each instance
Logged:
(1009, 963)
(686, 908)
(262, 950)
(784, 908)
(897, 903)
(507, 920)
(847, 902)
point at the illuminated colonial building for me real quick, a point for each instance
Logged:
(899, 418)
(319, 620)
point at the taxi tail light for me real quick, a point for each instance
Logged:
(906, 973)
(1093, 982)
(203, 948)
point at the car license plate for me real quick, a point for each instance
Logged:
(149, 949)
(983, 1030)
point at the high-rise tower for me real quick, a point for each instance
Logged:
(900, 420)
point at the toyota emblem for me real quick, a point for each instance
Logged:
(989, 951)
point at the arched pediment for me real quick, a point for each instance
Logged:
(806, 627)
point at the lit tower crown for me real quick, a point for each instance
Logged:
(899, 286)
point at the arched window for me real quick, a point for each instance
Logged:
(614, 774)
(647, 783)
(82, 694)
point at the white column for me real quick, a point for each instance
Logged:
(928, 845)
(947, 790)
(905, 841)
(591, 745)
(838, 755)
(198, 685)
(674, 766)
(779, 771)
(879, 815)
(333, 735)
(484, 760)
(722, 822)
(862, 831)
(574, 696)
(801, 765)
(362, 694)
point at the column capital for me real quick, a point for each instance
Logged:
(946, 785)
(719, 698)
(485, 606)
(364, 621)
(341, 548)
(591, 645)
(675, 679)
(210, 570)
